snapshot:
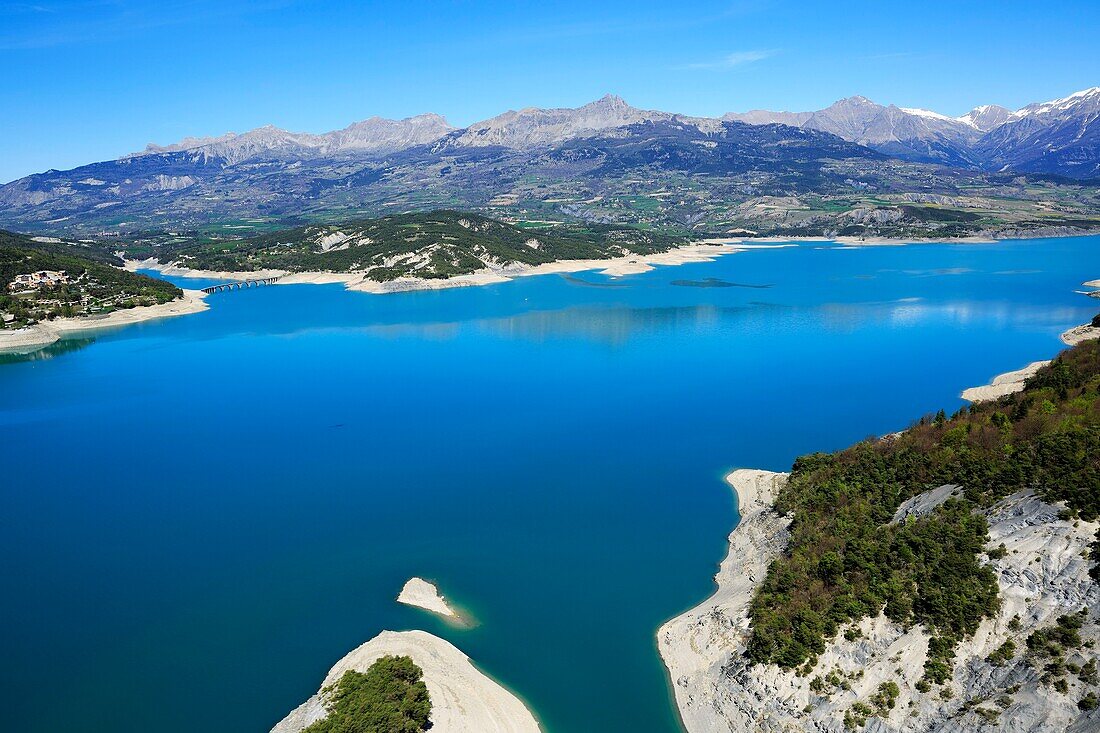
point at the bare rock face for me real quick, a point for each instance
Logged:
(1042, 572)
(532, 126)
(376, 135)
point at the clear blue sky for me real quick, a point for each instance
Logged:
(88, 80)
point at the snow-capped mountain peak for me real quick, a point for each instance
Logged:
(986, 117)
(1085, 98)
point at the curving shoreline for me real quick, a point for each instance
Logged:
(702, 251)
(716, 688)
(1013, 381)
(464, 699)
(1044, 573)
(698, 645)
(32, 338)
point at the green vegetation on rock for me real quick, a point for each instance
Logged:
(847, 559)
(439, 244)
(389, 698)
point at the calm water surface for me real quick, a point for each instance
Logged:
(199, 516)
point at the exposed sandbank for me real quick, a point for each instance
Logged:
(26, 340)
(464, 699)
(422, 594)
(1080, 333)
(35, 337)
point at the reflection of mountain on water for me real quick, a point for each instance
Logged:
(609, 325)
(57, 348)
(619, 325)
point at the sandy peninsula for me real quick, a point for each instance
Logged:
(422, 594)
(703, 250)
(1012, 382)
(1080, 333)
(1003, 384)
(464, 699)
(32, 338)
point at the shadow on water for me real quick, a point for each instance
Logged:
(575, 280)
(714, 282)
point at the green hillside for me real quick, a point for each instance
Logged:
(438, 244)
(847, 560)
(93, 284)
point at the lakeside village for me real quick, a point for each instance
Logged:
(47, 294)
(25, 303)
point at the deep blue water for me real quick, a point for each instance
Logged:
(198, 516)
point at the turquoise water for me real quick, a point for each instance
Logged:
(200, 515)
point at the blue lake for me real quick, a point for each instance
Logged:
(198, 516)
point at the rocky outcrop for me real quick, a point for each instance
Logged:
(1042, 571)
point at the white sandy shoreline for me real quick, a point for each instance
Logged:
(32, 338)
(1013, 381)
(703, 251)
(696, 644)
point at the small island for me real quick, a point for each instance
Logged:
(422, 594)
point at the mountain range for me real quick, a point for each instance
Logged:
(1061, 136)
(604, 162)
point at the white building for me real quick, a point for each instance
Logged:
(36, 280)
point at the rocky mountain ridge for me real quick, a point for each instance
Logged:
(1059, 136)
(987, 137)
(604, 162)
(376, 135)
